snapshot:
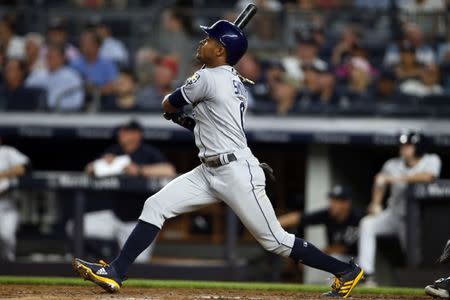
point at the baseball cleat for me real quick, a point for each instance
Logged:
(101, 274)
(445, 256)
(344, 284)
(440, 288)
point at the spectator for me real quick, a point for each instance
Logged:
(415, 37)
(413, 165)
(13, 95)
(357, 89)
(98, 73)
(309, 94)
(409, 67)
(112, 48)
(328, 94)
(12, 164)
(63, 85)
(340, 219)
(125, 91)
(249, 67)
(13, 44)
(385, 87)
(33, 52)
(420, 6)
(57, 34)
(177, 27)
(427, 84)
(145, 161)
(306, 53)
(164, 75)
(350, 38)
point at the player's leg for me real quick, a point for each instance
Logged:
(124, 230)
(241, 185)
(183, 194)
(9, 222)
(370, 227)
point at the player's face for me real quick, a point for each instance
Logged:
(208, 50)
(407, 151)
(129, 139)
(339, 208)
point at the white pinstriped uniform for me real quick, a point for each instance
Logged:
(219, 101)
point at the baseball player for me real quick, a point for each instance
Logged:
(12, 164)
(229, 172)
(412, 166)
(441, 287)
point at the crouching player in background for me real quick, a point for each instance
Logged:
(441, 287)
(12, 164)
(413, 165)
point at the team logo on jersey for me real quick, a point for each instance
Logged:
(193, 79)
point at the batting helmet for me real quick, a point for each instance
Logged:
(413, 137)
(231, 37)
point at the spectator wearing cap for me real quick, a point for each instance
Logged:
(111, 48)
(413, 34)
(427, 84)
(357, 89)
(57, 34)
(34, 43)
(14, 96)
(14, 45)
(99, 74)
(408, 67)
(306, 53)
(142, 160)
(309, 94)
(164, 76)
(340, 219)
(64, 87)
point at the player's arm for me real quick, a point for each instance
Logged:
(378, 192)
(291, 219)
(172, 105)
(12, 172)
(422, 177)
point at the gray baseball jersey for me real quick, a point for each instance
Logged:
(219, 101)
(396, 167)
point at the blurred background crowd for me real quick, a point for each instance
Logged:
(306, 56)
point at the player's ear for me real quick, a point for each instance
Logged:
(221, 51)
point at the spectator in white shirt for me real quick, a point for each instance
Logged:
(111, 48)
(414, 36)
(63, 85)
(13, 44)
(427, 85)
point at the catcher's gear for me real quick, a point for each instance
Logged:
(182, 119)
(101, 274)
(344, 283)
(445, 256)
(231, 37)
(440, 288)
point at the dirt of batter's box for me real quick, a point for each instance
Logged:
(60, 292)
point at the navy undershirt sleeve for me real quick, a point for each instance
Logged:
(177, 100)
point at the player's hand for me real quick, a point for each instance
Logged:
(109, 158)
(132, 170)
(374, 208)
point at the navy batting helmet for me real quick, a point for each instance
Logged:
(414, 137)
(231, 37)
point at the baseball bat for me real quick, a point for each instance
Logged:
(245, 16)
